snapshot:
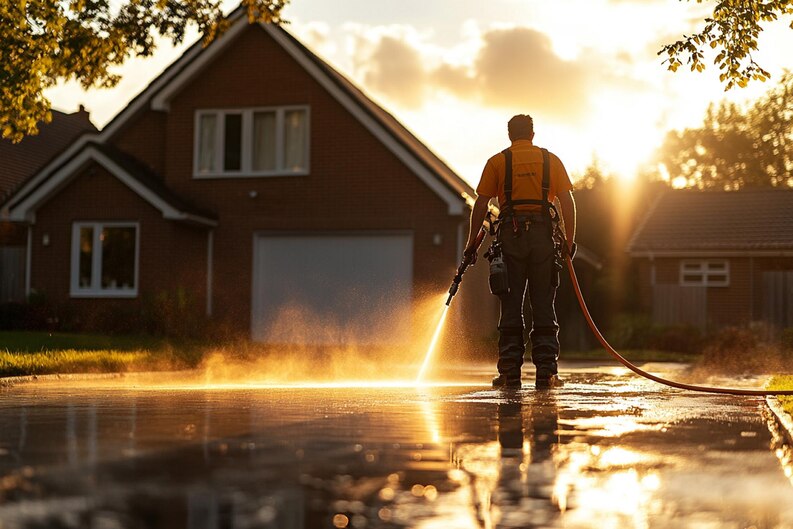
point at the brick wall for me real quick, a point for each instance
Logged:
(355, 183)
(171, 255)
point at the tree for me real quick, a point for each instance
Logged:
(44, 41)
(736, 147)
(732, 31)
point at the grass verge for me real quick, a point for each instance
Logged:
(633, 355)
(783, 382)
(39, 353)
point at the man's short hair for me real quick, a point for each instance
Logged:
(520, 127)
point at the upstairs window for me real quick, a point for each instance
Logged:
(104, 259)
(252, 142)
(705, 273)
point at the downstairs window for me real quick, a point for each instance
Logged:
(104, 259)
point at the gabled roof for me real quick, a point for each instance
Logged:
(19, 161)
(427, 166)
(129, 171)
(703, 223)
(384, 126)
(398, 131)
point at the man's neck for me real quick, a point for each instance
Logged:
(522, 141)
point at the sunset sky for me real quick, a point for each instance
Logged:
(454, 71)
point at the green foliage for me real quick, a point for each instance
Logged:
(44, 41)
(784, 382)
(37, 341)
(744, 350)
(733, 32)
(637, 331)
(71, 361)
(737, 148)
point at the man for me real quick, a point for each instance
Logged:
(530, 254)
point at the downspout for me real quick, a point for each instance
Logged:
(210, 263)
(751, 288)
(28, 257)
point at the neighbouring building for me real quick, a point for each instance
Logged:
(262, 189)
(712, 259)
(19, 162)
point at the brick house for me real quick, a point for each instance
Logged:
(18, 162)
(715, 258)
(260, 186)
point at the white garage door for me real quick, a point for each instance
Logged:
(332, 289)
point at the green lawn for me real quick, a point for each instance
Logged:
(632, 355)
(35, 341)
(783, 382)
(37, 353)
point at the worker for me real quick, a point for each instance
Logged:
(526, 189)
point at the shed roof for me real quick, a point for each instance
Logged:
(687, 222)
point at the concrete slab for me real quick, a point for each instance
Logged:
(606, 450)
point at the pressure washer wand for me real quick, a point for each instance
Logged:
(467, 261)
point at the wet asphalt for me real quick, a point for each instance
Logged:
(608, 450)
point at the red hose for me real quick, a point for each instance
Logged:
(641, 372)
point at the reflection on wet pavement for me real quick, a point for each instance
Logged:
(604, 451)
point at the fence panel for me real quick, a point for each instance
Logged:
(675, 305)
(778, 298)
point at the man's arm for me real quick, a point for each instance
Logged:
(478, 214)
(567, 202)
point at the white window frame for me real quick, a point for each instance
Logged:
(96, 290)
(246, 170)
(702, 267)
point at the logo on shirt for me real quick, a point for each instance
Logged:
(526, 174)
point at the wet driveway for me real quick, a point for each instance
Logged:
(605, 451)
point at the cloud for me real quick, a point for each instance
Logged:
(513, 68)
(518, 68)
(396, 71)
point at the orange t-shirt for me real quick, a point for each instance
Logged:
(526, 176)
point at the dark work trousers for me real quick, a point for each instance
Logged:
(530, 259)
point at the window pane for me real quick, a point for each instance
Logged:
(295, 140)
(717, 266)
(118, 258)
(264, 141)
(691, 267)
(692, 278)
(207, 127)
(86, 256)
(232, 144)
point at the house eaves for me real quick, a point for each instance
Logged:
(126, 170)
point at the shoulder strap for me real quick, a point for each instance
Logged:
(507, 175)
(546, 174)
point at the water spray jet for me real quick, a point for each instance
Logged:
(469, 258)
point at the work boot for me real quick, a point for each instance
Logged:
(507, 381)
(547, 380)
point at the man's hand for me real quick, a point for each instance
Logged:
(478, 214)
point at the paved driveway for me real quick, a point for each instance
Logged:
(607, 450)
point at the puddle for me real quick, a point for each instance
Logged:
(604, 451)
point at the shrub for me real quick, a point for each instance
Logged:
(741, 350)
(632, 331)
(677, 338)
